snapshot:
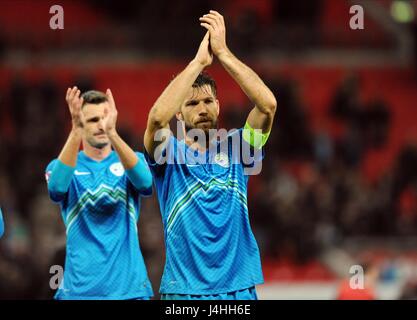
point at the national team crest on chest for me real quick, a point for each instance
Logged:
(117, 169)
(222, 159)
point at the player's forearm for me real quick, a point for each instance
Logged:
(137, 170)
(249, 81)
(69, 153)
(169, 102)
(126, 155)
(62, 172)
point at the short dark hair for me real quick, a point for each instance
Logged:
(205, 79)
(93, 97)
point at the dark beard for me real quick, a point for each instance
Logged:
(188, 128)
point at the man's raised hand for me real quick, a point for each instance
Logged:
(75, 103)
(110, 114)
(204, 55)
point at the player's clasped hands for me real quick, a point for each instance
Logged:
(204, 55)
(110, 114)
(214, 23)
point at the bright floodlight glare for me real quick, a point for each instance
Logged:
(402, 11)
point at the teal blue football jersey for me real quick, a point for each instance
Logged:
(100, 211)
(210, 247)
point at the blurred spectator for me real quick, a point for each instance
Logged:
(376, 121)
(345, 102)
(410, 291)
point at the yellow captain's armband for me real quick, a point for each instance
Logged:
(255, 138)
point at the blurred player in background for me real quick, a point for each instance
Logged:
(211, 252)
(1, 224)
(99, 191)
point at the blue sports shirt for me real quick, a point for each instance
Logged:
(100, 204)
(210, 247)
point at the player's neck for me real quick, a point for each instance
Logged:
(200, 145)
(195, 145)
(96, 153)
